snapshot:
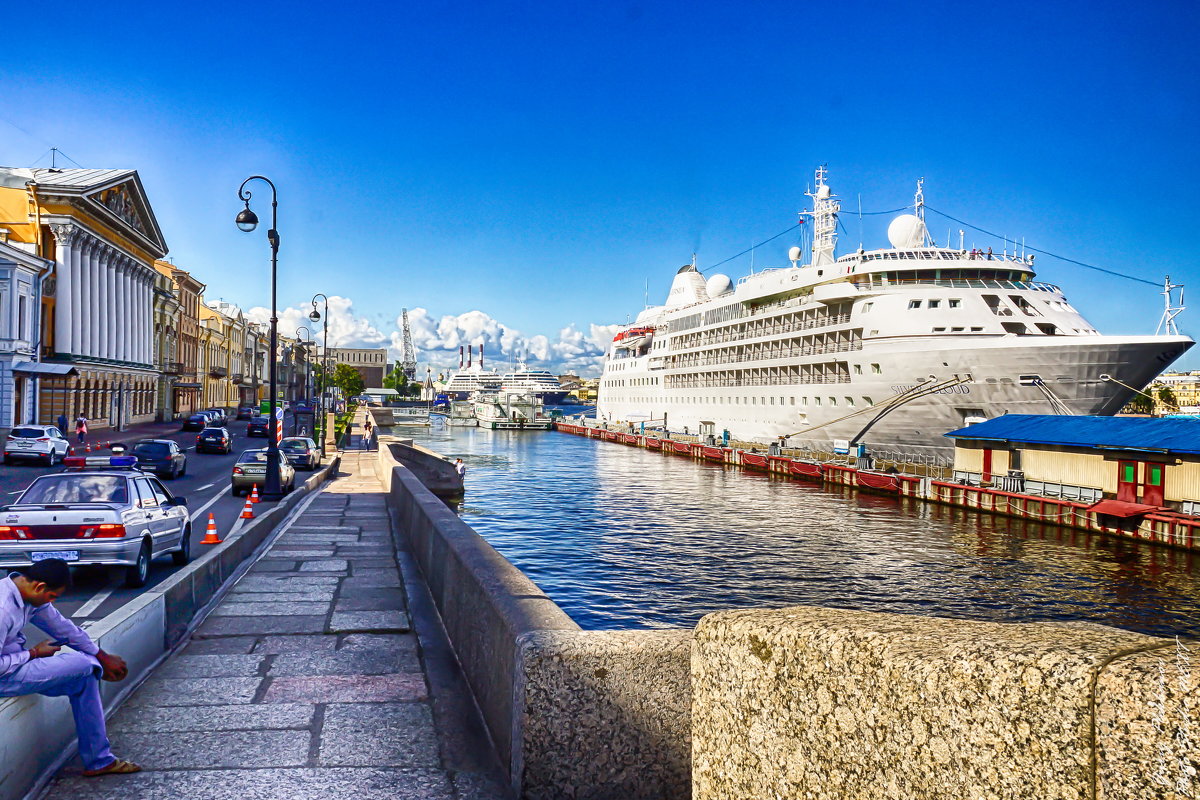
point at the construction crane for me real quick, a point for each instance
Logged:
(408, 363)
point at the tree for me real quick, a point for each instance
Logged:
(346, 378)
(1167, 397)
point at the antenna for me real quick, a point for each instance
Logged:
(1167, 323)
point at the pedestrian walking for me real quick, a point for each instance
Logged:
(62, 424)
(28, 598)
(81, 430)
(367, 434)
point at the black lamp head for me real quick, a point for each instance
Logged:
(247, 220)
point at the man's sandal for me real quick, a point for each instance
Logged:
(117, 767)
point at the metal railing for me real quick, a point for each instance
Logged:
(218, 372)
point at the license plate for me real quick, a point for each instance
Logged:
(24, 444)
(65, 555)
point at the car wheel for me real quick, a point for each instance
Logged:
(184, 554)
(236, 492)
(49, 460)
(137, 574)
(7, 460)
(183, 469)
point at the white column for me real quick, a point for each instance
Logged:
(122, 309)
(64, 309)
(97, 307)
(144, 316)
(77, 297)
(102, 309)
(88, 311)
(135, 315)
(110, 307)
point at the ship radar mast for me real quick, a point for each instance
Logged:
(919, 210)
(1172, 310)
(824, 216)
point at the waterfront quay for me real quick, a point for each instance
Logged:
(378, 644)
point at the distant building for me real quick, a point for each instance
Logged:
(1184, 387)
(370, 364)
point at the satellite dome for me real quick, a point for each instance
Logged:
(718, 285)
(906, 232)
(794, 254)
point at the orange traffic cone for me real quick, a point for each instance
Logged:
(87, 448)
(210, 535)
(247, 510)
(254, 493)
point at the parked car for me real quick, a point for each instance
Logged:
(45, 443)
(251, 469)
(195, 422)
(301, 452)
(257, 426)
(101, 511)
(214, 440)
(246, 412)
(161, 456)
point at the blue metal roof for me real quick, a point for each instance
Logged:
(1177, 435)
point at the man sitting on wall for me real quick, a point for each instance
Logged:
(27, 597)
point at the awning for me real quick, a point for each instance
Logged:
(43, 368)
(1122, 508)
(187, 385)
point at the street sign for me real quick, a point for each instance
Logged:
(278, 425)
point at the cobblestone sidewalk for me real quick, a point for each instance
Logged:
(308, 680)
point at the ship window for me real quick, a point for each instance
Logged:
(976, 330)
(793, 401)
(956, 330)
(772, 401)
(867, 307)
(816, 401)
(914, 303)
(858, 369)
(934, 303)
(875, 332)
(868, 401)
(850, 402)
(939, 330)
(953, 303)
(1047, 328)
(875, 369)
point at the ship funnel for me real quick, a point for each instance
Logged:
(687, 288)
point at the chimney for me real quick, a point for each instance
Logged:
(481, 355)
(470, 351)
(460, 357)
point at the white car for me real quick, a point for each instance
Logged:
(102, 510)
(44, 443)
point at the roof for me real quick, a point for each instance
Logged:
(17, 177)
(1175, 435)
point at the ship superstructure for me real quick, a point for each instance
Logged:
(893, 346)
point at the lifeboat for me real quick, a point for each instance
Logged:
(634, 338)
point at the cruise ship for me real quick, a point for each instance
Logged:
(538, 382)
(888, 348)
(472, 379)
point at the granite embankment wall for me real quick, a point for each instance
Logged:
(36, 732)
(828, 704)
(804, 702)
(572, 713)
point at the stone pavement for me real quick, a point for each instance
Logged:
(308, 680)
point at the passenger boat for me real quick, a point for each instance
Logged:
(511, 411)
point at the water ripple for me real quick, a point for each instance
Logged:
(622, 537)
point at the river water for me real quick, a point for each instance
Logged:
(622, 537)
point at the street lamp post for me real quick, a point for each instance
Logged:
(315, 316)
(247, 221)
(307, 371)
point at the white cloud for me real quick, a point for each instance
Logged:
(437, 339)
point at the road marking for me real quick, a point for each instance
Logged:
(205, 486)
(18, 491)
(91, 605)
(204, 507)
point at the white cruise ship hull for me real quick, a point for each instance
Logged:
(996, 379)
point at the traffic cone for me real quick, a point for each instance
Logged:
(87, 448)
(254, 493)
(247, 510)
(210, 535)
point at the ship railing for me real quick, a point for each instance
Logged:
(869, 282)
(750, 332)
(787, 352)
(1064, 491)
(689, 382)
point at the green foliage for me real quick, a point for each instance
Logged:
(1139, 404)
(346, 378)
(1167, 397)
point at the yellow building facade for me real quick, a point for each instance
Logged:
(97, 229)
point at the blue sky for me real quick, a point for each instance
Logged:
(540, 162)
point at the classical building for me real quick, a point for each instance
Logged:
(98, 230)
(166, 344)
(184, 381)
(20, 279)
(371, 364)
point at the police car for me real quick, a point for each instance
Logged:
(101, 510)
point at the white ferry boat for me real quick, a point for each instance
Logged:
(538, 382)
(890, 347)
(511, 411)
(472, 378)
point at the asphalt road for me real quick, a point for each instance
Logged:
(99, 591)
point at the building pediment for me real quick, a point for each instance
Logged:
(123, 203)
